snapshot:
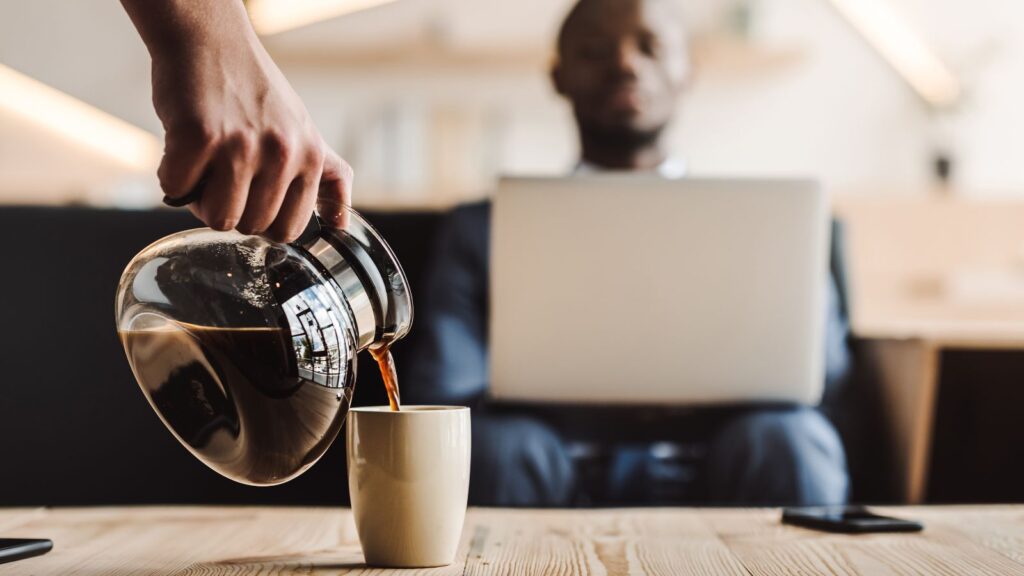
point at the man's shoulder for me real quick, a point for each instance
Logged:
(470, 223)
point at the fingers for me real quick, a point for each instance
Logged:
(296, 209)
(335, 191)
(268, 186)
(186, 156)
(224, 197)
(277, 206)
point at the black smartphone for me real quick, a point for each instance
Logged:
(12, 549)
(847, 519)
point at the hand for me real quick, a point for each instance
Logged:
(233, 121)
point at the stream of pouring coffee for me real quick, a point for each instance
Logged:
(382, 354)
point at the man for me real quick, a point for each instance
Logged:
(621, 65)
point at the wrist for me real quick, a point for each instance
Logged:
(172, 28)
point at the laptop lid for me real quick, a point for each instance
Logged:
(632, 289)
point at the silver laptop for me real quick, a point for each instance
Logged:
(627, 289)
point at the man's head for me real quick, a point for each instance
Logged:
(622, 64)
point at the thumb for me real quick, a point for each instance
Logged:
(335, 194)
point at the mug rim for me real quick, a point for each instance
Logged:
(411, 409)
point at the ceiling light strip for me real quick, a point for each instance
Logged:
(276, 16)
(904, 48)
(77, 121)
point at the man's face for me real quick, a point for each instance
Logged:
(622, 64)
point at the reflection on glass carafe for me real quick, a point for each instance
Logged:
(247, 348)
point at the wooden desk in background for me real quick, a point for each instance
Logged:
(926, 276)
(910, 369)
(240, 541)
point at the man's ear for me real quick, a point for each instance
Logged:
(692, 68)
(689, 74)
(556, 77)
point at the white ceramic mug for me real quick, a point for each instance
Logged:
(408, 478)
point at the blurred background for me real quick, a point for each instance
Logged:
(430, 99)
(907, 110)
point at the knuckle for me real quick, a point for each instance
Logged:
(244, 144)
(198, 132)
(285, 153)
(347, 174)
(315, 148)
(315, 157)
(278, 144)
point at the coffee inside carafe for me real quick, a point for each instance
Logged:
(246, 348)
(236, 397)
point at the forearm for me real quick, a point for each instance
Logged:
(171, 26)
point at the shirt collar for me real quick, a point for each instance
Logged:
(671, 168)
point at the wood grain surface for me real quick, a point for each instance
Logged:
(269, 541)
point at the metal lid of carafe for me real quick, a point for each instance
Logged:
(368, 274)
(363, 266)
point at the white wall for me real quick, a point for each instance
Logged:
(836, 111)
(88, 49)
(827, 106)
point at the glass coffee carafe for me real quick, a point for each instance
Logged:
(246, 348)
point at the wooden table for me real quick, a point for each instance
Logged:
(239, 541)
